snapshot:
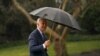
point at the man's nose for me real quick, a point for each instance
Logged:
(45, 24)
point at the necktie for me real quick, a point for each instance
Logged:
(43, 36)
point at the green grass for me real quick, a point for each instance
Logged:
(77, 43)
(73, 48)
(21, 50)
(78, 47)
(82, 46)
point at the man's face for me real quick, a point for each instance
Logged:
(42, 24)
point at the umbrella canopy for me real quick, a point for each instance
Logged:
(56, 15)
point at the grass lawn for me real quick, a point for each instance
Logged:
(82, 46)
(73, 48)
(21, 50)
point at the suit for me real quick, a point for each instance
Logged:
(36, 44)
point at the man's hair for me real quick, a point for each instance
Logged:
(40, 19)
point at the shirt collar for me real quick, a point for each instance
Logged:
(39, 30)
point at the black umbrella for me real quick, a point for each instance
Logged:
(56, 15)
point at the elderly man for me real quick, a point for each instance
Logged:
(38, 42)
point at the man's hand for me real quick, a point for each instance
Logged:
(47, 43)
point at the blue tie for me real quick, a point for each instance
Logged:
(43, 36)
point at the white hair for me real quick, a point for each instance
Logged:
(40, 19)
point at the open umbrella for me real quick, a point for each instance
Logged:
(56, 15)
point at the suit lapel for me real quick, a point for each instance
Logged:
(40, 36)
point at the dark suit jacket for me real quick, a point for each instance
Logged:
(36, 44)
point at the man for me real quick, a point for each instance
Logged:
(38, 42)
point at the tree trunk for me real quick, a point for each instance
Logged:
(60, 46)
(77, 8)
(66, 30)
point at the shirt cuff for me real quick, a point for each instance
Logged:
(44, 46)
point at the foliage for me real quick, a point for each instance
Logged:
(14, 25)
(82, 37)
(91, 20)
